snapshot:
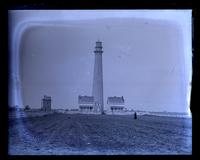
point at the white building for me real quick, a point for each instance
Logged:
(86, 103)
(116, 104)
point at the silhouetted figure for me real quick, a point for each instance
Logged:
(135, 115)
(27, 108)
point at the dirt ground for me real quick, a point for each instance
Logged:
(77, 134)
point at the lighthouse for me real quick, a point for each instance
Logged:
(97, 90)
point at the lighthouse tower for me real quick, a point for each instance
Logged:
(97, 91)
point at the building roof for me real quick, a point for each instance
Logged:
(115, 100)
(85, 99)
(117, 107)
(47, 97)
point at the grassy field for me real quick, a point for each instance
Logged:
(58, 134)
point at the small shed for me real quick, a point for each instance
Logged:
(46, 103)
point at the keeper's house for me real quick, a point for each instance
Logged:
(116, 104)
(86, 103)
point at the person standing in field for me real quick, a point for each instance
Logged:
(135, 115)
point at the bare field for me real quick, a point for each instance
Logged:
(68, 134)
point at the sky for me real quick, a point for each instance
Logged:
(147, 57)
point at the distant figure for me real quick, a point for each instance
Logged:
(27, 108)
(135, 115)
